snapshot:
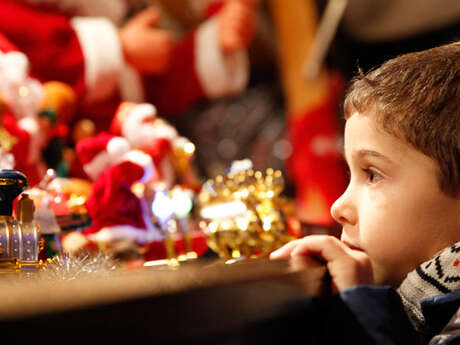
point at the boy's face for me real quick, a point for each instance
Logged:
(393, 208)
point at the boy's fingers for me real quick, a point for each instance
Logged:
(284, 251)
(347, 267)
(325, 247)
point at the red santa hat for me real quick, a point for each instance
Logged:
(117, 214)
(114, 208)
(6, 45)
(138, 123)
(105, 150)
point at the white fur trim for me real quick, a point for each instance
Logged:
(134, 129)
(144, 110)
(124, 232)
(103, 55)
(15, 66)
(130, 85)
(219, 74)
(180, 142)
(99, 163)
(142, 159)
(162, 129)
(37, 140)
(7, 161)
(22, 93)
(115, 149)
(117, 146)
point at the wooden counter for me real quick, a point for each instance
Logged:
(205, 302)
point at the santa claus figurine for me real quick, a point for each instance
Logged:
(29, 112)
(122, 219)
(117, 214)
(90, 46)
(144, 130)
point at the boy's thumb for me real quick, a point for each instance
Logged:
(149, 17)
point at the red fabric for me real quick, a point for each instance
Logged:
(121, 114)
(157, 250)
(159, 149)
(5, 45)
(179, 88)
(112, 202)
(21, 148)
(307, 165)
(88, 148)
(46, 37)
(213, 8)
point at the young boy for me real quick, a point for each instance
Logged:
(401, 211)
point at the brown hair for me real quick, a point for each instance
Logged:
(416, 98)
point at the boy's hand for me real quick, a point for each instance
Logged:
(236, 25)
(347, 267)
(146, 48)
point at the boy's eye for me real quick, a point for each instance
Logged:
(372, 175)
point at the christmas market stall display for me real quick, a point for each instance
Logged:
(130, 191)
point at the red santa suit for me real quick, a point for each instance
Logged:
(65, 41)
(21, 137)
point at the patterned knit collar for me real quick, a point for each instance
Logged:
(437, 276)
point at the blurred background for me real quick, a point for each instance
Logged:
(301, 55)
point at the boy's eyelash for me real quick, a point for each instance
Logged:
(371, 174)
(367, 171)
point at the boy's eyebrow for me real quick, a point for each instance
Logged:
(365, 152)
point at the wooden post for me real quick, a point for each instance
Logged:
(295, 23)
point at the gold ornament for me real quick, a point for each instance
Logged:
(7, 141)
(244, 213)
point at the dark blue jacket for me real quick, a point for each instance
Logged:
(360, 315)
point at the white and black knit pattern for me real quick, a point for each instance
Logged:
(439, 275)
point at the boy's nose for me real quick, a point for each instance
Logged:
(343, 211)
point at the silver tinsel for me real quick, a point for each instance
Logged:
(70, 267)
